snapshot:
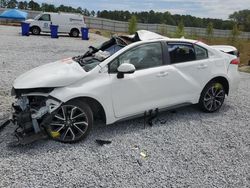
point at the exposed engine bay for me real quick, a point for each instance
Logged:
(95, 55)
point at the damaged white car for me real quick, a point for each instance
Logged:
(125, 77)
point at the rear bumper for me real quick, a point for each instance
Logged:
(234, 78)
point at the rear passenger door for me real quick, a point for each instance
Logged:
(192, 68)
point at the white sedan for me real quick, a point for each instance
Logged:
(125, 77)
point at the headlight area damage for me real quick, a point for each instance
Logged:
(32, 112)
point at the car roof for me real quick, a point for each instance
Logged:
(144, 35)
(61, 13)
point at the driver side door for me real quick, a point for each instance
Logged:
(142, 90)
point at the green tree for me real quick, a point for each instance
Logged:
(235, 33)
(79, 10)
(242, 18)
(48, 7)
(163, 30)
(210, 31)
(86, 12)
(3, 3)
(180, 30)
(22, 5)
(92, 13)
(34, 5)
(132, 25)
(11, 4)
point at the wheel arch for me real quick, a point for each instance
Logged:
(224, 81)
(74, 28)
(35, 26)
(96, 107)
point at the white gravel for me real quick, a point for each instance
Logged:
(185, 149)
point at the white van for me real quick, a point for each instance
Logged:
(68, 23)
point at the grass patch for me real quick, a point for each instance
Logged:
(107, 34)
(242, 45)
(245, 69)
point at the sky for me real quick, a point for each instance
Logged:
(200, 8)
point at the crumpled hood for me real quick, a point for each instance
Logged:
(57, 74)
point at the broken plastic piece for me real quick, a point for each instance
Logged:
(28, 139)
(144, 154)
(139, 162)
(4, 124)
(55, 134)
(101, 55)
(173, 111)
(103, 142)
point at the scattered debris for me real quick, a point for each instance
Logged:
(98, 33)
(139, 162)
(103, 142)
(28, 139)
(144, 154)
(135, 147)
(4, 124)
(163, 121)
(173, 111)
(151, 114)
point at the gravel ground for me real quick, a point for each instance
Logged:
(187, 148)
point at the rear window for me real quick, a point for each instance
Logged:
(201, 53)
(236, 53)
(181, 52)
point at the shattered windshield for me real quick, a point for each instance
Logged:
(95, 55)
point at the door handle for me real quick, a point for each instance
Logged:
(162, 74)
(202, 66)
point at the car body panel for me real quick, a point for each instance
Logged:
(146, 89)
(57, 74)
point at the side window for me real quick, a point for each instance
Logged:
(201, 53)
(142, 57)
(181, 52)
(45, 17)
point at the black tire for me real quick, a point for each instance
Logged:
(74, 33)
(71, 123)
(212, 97)
(35, 30)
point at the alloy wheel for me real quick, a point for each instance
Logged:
(214, 97)
(69, 124)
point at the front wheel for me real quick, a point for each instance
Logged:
(74, 33)
(212, 97)
(35, 30)
(71, 123)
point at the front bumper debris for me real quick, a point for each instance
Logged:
(30, 120)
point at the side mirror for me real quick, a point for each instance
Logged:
(125, 68)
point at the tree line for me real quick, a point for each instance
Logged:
(241, 18)
(46, 7)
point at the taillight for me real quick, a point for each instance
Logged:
(235, 62)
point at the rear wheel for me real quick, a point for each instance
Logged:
(74, 33)
(71, 123)
(212, 97)
(35, 30)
